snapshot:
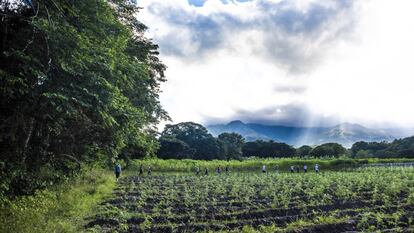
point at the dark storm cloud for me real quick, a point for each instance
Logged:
(294, 38)
(287, 115)
(207, 32)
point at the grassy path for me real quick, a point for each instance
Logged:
(62, 209)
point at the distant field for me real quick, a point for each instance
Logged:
(366, 199)
(255, 164)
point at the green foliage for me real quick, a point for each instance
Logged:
(303, 151)
(328, 149)
(79, 83)
(62, 209)
(255, 164)
(399, 148)
(255, 202)
(232, 145)
(189, 140)
(268, 149)
(173, 148)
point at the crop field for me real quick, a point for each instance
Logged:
(363, 200)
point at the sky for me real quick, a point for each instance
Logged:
(286, 62)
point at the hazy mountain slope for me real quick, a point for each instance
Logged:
(345, 133)
(237, 127)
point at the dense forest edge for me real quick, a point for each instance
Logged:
(189, 140)
(79, 91)
(79, 86)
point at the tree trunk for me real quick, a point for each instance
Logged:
(28, 137)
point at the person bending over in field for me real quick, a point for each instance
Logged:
(206, 172)
(264, 169)
(316, 168)
(117, 171)
(141, 170)
(305, 168)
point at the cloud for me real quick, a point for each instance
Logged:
(295, 89)
(317, 61)
(293, 114)
(293, 34)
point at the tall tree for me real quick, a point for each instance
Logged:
(196, 137)
(232, 145)
(268, 149)
(173, 148)
(328, 149)
(303, 151)
(78, 83)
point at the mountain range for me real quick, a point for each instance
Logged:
(345, 133)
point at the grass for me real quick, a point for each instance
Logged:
(255, 164)
(62, 209)
(66, 207)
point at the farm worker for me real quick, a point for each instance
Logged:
(227, 169)
(149, 170)
(292, 169)
(264, 169)
(206, 172)
(316, 168)
(218, 170)
(305, 168)
(117, 171)
(141, 170)
(197, 171)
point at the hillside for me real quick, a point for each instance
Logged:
(344, 133)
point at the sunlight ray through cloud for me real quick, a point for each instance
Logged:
(342, 60)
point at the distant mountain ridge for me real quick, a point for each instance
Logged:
(345, 133)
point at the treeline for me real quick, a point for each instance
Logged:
(79, 84)
(399, 148)
(189, 140)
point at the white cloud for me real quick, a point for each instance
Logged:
(371, 81)
(345, 60)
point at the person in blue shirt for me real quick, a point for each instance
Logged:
(117, 171)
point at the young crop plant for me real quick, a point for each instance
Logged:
(255, 202)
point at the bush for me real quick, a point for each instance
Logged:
(62, 209)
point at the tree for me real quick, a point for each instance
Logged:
(196, 137)
(368, 148)
(266, 149)
(303, 151)
(328, 149)
(173, 148)
(79, 83)
(252, 149)
(232, 145)
(402, 148)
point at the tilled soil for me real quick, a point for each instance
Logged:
(162, 207)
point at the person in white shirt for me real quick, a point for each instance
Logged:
(316, 168)
(264, 168)
(292, 169)
(305, 168)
